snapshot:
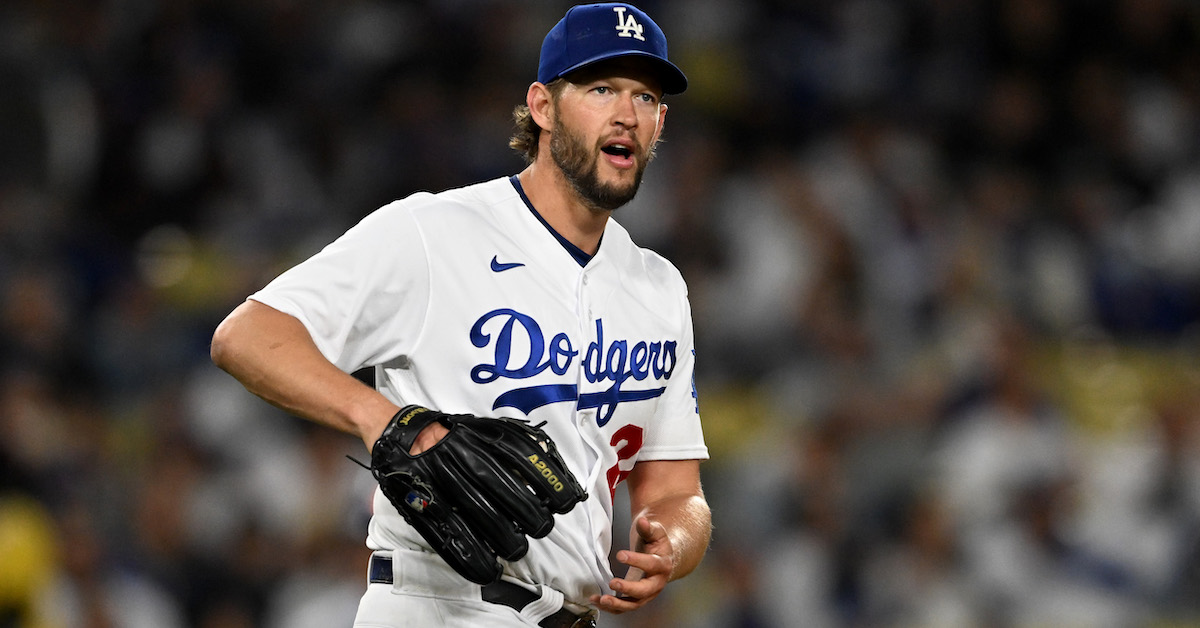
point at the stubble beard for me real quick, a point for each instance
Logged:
(581, 168)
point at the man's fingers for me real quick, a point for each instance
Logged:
(648, 563)
(614, 604)
(629, 594)
(648, 572)
(638, 590)
(428, 437)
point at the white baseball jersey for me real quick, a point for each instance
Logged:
(468, 302)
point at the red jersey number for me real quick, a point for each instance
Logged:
(627, 441)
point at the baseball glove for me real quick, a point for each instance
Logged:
(476, 494)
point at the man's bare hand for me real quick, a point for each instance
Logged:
(651, 563)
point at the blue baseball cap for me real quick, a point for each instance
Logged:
(590, 33)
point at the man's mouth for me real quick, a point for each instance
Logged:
(620, 154)
(618, 150)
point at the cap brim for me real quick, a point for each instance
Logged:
(672, 78)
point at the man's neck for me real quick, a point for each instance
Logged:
(558, 204)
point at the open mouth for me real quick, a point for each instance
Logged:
(618, 150)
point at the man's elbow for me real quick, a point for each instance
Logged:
(221, 350)
(231, 337)
(243, 340)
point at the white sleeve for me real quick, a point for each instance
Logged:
(364, 297)
(675, 433)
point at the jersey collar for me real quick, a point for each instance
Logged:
(577, 253)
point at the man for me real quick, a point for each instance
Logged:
(517, 297)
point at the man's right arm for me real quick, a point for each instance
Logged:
(273, 356)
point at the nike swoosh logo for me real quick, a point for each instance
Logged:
(499, 267)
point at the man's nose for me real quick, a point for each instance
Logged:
(626, 113)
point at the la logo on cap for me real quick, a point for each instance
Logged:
(627, 26)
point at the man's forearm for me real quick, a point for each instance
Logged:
(273, 356)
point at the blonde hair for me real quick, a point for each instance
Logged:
(524, 139)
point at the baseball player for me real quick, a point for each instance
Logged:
(522, 298)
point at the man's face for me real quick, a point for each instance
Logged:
(605, 128)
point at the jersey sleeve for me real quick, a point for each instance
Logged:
(675, 432)
(363, 298)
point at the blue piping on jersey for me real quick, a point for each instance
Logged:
(533, 397)
(528, 399)
(580, 256)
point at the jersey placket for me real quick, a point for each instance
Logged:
(586, 316)
(585, 420)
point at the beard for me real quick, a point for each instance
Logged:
(581, 167)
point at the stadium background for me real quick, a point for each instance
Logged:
(944, 258)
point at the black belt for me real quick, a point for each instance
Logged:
(500, 592)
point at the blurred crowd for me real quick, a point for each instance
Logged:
(944, 260)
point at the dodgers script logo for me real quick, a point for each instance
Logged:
(627, 26)
(618, 361)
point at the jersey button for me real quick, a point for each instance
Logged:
(585, 280)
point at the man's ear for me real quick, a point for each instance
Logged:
(541, 105)
(662, 121)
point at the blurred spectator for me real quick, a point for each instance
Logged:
(1008, 436)
(917, 578)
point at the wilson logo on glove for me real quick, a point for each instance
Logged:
(409, 415)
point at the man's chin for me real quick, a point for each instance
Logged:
(622, 185)
(605, 187)
(612, 198)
